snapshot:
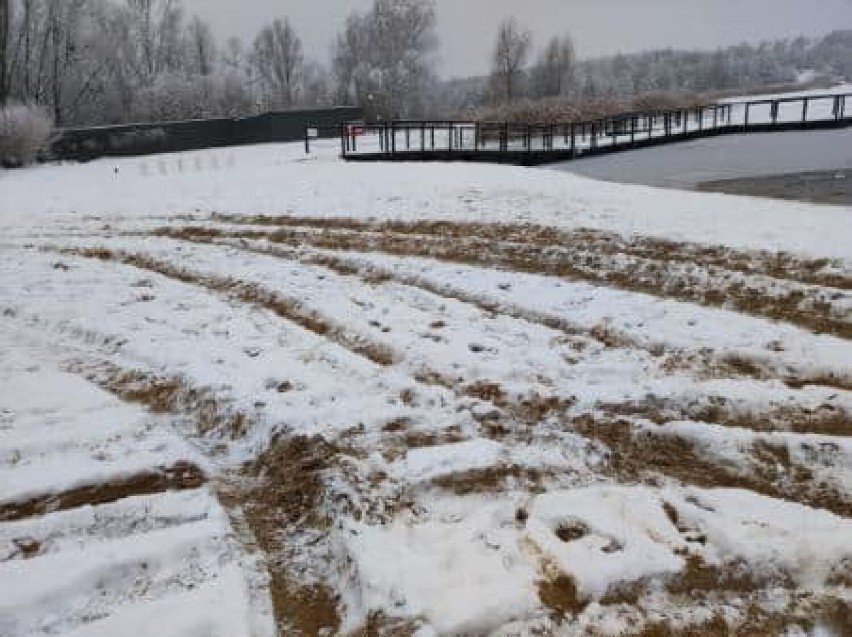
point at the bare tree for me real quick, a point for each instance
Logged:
(403, 41)
(201, 46)
(348, 53)
(384, 60)
(74, 57)
(5, 30)
(233, 57)
(147, 36)
(510, 57)
(553, 74)
(316, 87)
(278, 59)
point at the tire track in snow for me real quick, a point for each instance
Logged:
(827, 418)
(821, 272)
(118, 520)
(805, 305)
(640, 451)
(703, 363)
(288, 308)
(453, 482)
(533, 412)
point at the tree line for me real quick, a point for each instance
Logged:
(111, 61)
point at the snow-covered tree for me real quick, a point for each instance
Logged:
(277, 58)
(510, 58)
(5, 30)
(384, 59)
(553, 74)
(349, 60)
(201, 47)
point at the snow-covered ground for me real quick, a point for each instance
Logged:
(245, 385)
(108, 526)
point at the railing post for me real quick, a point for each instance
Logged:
(407, 137)
(633, 130)
(343, 140)
(805, 110)
(773, 112)
(476, 134)
(573, 139)
(422, 136)
(393, 138)
(748, 108)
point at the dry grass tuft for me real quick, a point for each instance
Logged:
(755, 621)
(639, 456)
(180, 476)
(559, 595)
(169, 394)
(490, 480)
(287, 308)
(284, 498)
(699, 577)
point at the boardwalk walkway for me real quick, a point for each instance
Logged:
(535, 144)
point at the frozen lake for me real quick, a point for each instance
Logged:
(688, 164)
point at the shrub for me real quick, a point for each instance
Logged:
(24, 132)
(564, 111)
(148, 140)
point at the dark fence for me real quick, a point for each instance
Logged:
(84, 144)
(533, 144)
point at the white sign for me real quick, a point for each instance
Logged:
(313, 133)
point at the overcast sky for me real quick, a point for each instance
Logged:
(599, 27)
